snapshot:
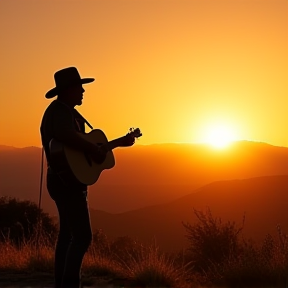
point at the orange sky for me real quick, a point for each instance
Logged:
(173, 68)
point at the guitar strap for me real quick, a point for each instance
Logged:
(83, 119)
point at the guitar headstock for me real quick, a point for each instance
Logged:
(135, 133)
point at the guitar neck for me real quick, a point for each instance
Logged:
(119, 141)
(114, 143)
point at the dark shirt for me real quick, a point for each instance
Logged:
(57, 118)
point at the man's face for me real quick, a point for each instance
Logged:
(76, 94)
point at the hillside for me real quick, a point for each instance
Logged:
(263, 201)
(147, 175)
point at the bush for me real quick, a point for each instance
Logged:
(101, 242)
(149, 267)
(124, 248)
(221, 257)
(211, 240)
(264, 264)
(20, 221)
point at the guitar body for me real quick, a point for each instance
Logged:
(72, 164)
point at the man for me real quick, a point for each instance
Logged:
(62, 122)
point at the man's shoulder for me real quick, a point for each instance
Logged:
(57, 107)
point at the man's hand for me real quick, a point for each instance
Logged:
(127, 141)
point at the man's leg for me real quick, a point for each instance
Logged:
(63, 242)
(58, 191)
(78, 219)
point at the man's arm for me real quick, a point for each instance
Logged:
(73, 139)
(64, 131)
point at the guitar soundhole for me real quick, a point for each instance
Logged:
(88, 159)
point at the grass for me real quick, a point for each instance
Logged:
(127, 262)
(147, 267)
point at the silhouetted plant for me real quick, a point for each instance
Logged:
(235, 262)
(124, 248)
(262, 264)
(211, 240)
(21, 220)
(150, 267)
(101, 243)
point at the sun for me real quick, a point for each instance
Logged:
(219, 136)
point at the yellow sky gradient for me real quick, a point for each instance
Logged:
(174, 68)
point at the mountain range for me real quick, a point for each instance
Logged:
(153, 188)
(262, 203)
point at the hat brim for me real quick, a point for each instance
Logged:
(54, 91)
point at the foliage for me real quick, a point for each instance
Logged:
(264, 264)
(153, 268)
(211, 240)
(20, 221)
(221, 257)
(100, 242)
(216, 255)
(124, 248)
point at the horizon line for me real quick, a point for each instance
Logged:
(168, 143)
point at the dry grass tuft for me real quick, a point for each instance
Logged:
(152, 268)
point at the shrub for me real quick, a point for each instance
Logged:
(20, 221)
(262, 264)
(150, 267)
(100, 242)
(221, 257)
(124, 248)
(211, 240)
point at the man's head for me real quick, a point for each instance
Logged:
(69, 86)
(72, 95)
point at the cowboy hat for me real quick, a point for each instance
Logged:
(66, 78)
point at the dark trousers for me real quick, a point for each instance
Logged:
(75, 233)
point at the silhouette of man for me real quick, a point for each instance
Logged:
(63, 122)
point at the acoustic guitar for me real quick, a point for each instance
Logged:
(72, 164)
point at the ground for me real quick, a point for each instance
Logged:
(45, 280)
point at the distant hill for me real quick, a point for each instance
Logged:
(263, 201)
(5, 147)
(147, 175)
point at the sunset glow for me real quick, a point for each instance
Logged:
(167, 67)
(220, 136)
